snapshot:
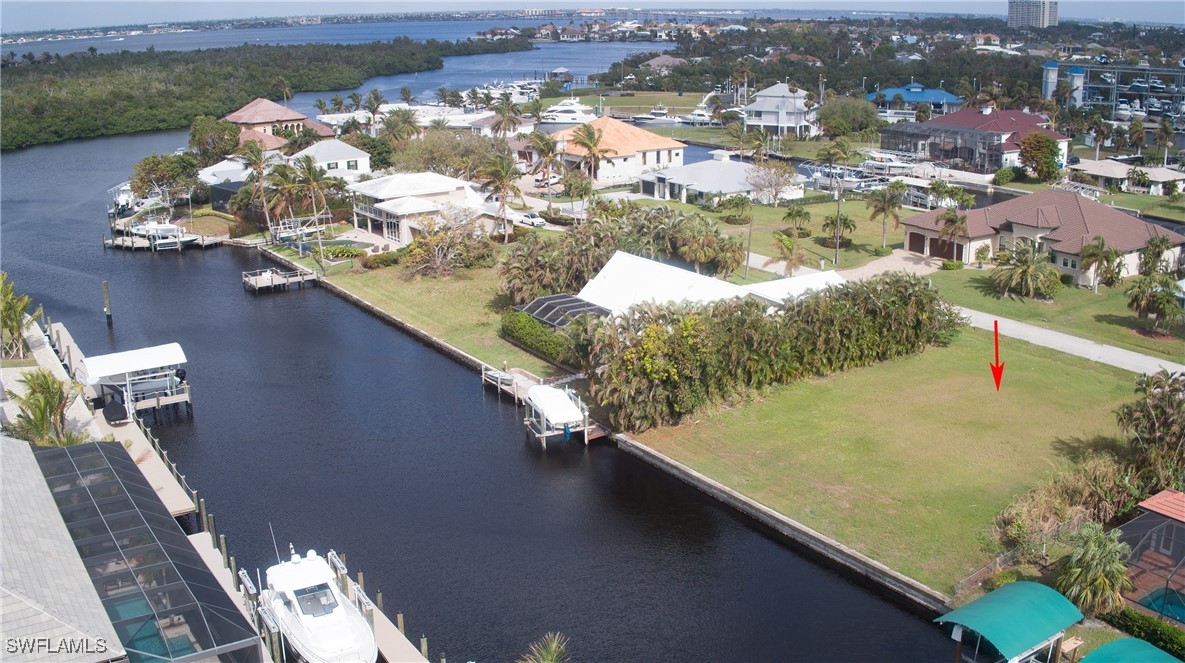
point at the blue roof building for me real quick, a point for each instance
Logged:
(916, 93)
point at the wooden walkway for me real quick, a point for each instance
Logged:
(274, 279)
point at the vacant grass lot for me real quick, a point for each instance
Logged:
(1079, 311)
(909, 461)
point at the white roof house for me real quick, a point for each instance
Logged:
(396, 202)
(337, 158)
(693, 182)
(778, 109)
(779, 290)
(227, 170)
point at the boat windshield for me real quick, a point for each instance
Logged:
(316, 600)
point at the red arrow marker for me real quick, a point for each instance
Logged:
(998, 367)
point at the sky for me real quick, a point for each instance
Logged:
(23, 16)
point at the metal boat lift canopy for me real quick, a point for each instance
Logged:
(117, 367)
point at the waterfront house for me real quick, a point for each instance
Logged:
(268, 117)
(941, 101)
(1058, 222)
(633, 151)
(267, 142)
(981, 140)
(663, 64)
(1015, 623)
(779, 110)
(1108, 173)
(718, 178)
(1156, 564)
(397, 204)
(337, 158)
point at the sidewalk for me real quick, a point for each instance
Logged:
(1080, 347)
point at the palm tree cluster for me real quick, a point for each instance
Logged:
(659, 363)
(535, 267)
(1027, 273)
(13, 309)
(1156, 422)
(1106, 261)
(41, 417)
(1154, 293)
(1095, 574)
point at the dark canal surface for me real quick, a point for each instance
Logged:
(342, 432)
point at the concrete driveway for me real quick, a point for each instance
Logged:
(898, 261)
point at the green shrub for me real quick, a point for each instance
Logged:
(379, 260)
(221, 215)
(528, 332)
(829, 242)
(1067, 279)
(1003, 176)
(951, 265)
(556, 217)
(882, 251)
(999, 579)
(339, 252)
(1160, 634)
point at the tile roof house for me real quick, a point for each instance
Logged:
(266, 116)
(663, 63)
(269, 142)
(778, 109)
(1059, 222)
(982, 139)
(1107, 172)
(633, 150)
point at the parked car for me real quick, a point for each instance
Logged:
(551, 180)
(533, 219)
(1073, 161)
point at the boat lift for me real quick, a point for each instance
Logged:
(143, 379)
(552, 411)
(297, 228)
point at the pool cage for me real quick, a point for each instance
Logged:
(1156, 565)
(958, 147)
(560, 311)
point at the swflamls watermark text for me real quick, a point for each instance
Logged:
(55, 646)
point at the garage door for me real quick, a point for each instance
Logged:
(917, 242)
(945, 249)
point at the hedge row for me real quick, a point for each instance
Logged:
(1164, 636)
(528, 332)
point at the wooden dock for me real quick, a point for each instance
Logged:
(515, 382)
(136, 243)
(274, 279)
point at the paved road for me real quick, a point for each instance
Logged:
(1106, 354)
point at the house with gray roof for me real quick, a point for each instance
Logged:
(720, 177)
(780, 110)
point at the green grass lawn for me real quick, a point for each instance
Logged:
(464, 310)
(909, 461)
(1159, 206)
(766, 220)
(1079, 311)
(208, 225)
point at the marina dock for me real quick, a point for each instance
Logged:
(516, 382)
(267, 280)
(136, 243)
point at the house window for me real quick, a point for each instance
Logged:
(643, 158)
(1003, 242)
(352, 164)
(1065, 261)
(332, 165)
(1074, 264)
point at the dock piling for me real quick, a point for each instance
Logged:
(361, 585)
(399, 622)
(378, 599)
(424, 646)
(107, 303)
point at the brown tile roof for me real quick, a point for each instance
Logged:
(1168, 502)
(1072, 220)
(262, 111)
(624, 139)
(266, 141)
(321, 129)
(997, 121)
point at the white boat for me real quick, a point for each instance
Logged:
(568, 111)
(319, 623)
(886, 164)
(1123, 111)
(657, 115)
(698, 117)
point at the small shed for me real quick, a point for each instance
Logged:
(1126, 650)
(1021, 621)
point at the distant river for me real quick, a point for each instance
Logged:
(344, 433)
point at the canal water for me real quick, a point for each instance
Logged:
(342, 432)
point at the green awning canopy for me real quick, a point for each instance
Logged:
(1128, 650)
(1016, 617)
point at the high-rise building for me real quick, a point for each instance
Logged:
(1032, 13)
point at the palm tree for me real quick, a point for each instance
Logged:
(337, 103)
(313, 185)
(797, 216)
(1095, 576)
(400, 125)
(588, 138)
(547, 158)
(953, 227)
(1164, 138)
(13, 308)
(284, 89)
(374, 101)
(696, 242)
(885, 204)
(1102, 131)
(500, 178)
(1094, 254)
(534, 108)
(1136, 136)
(442, 95)
(41, 417)
(839, 228)
(355, 101)
(1152, 255)
(551, 648)
(406, 96)
(321, 106)
(1026, 272)
(837, 151)
(790, 253)
(258, 164)
(438, 123)
(1155, 295)
(506, 114)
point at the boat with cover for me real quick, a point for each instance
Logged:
(568, 111)
(320, 624)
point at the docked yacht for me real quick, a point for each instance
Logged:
(320, 624)
(1123, 111)
(163, 235)
(886, 164)
(698, 117)
(568, 111)
(657, 115)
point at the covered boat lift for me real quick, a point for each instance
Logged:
(1019, 622)
(142, 379)
(554, 411)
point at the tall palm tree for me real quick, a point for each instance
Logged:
(284, 89)
(506, 116)
(1102, 131)
(41, 417)
(588, 138)
(374, 101)
(337, 103)
(315, 185)
(837, 151)
(406, 96)
(13, 308)
(400, 125)
(321, 106)
(281, 190)
(1164, 138)
(258, 164)
(534, 108)
(500, 178)
(1136, 136)
(551, 648)
(797, 216)
(885, 204)
(442, 95)
(1094, 254)
(953, 227)
(789, 252)
(547, 158)
(1095, 576)
(355, 101)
